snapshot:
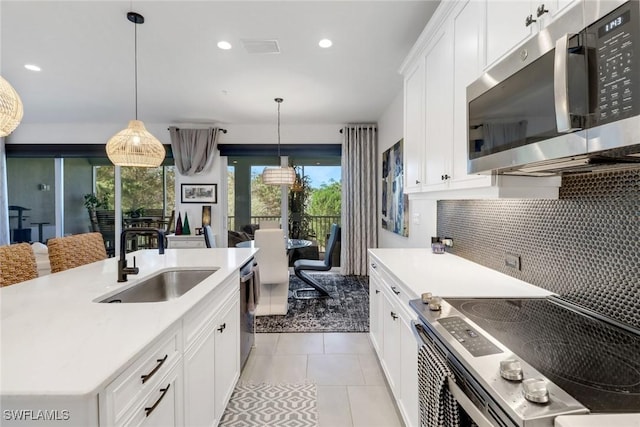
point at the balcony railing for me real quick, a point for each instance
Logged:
(320, 226)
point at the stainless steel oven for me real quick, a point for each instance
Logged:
(568, 97)
(522, 362)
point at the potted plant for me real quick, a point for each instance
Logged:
(92, 202)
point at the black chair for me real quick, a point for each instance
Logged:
(301, 266)
(209, 238)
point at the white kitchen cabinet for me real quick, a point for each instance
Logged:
(448, 56)
(375, 311)
(391, 329)
(506, 23)
(467, 66)
(391, 344)
(414, 128)
(122, 402)
(163, 406)
(227, 358)
(439, 110)
(212, 355)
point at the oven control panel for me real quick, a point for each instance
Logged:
(468, 337)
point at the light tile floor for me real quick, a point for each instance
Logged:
(352, 391)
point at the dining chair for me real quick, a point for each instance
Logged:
(269, 224)
(274, 272)
(209, 238)
(17, 264)
(75, 250)
(301, 266)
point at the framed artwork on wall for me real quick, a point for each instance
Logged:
(395, 204)
(199, 193)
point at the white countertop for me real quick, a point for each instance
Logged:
(448, 275)
(598, 420)
(56, 341)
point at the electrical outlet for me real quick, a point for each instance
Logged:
(512, 260)
(447, 241)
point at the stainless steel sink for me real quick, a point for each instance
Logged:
(164, 286)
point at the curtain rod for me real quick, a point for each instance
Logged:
(360, 127)
(220, 129)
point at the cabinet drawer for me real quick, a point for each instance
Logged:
(142, 376)
(161, 407)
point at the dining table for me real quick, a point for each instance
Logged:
(291, 244)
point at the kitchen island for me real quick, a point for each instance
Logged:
(70, 360)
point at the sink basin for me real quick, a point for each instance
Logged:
(164, 286)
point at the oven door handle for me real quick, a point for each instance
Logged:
(474, 413)
(561, 85)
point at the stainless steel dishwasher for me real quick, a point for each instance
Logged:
(247, 318)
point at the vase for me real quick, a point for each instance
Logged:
(185, 227)
(179, 225)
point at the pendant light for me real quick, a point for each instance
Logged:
(135, 146)
(10, 108)
(279, 175)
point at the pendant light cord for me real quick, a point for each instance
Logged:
(279, 130)
(135, 61)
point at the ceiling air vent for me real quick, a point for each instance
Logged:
(261, 46)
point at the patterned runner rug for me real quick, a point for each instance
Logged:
(281, 405)
(348, 312)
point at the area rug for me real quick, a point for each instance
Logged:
(286, 405)
(347, 312)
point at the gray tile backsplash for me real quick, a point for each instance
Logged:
(584, 246)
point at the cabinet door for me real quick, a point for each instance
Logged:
(227, 355)
(199, 393)
(439, 111)
(505, 26)
(409, 374)
(467, 67)
(391, 343)
(375, 311)
(414, 129)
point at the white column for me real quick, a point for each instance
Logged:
(117, 208)
(58, 166)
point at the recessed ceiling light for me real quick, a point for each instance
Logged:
(224, 45)
(32, 67)
(325, 43)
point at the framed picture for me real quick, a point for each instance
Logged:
(199, 193)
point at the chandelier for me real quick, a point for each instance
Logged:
(10, 108)
(135, 146)
(278, 175)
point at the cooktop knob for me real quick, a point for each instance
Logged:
(535, 390)
(434, 304)
(511, 370)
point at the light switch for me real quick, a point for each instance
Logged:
(416, 218)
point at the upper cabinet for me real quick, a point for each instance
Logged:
(414, 128)
(509, 23)
(449, 55)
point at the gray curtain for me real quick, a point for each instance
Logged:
(359, 190)
(193, 149)
(4, 195)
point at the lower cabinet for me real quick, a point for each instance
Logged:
(392, 335)
(186, 377)
(211, 360)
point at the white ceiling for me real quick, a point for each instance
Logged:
(86, 51)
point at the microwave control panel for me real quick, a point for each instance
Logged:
(617, 49)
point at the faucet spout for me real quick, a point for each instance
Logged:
(123, 270)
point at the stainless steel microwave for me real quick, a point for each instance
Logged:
(567, 99)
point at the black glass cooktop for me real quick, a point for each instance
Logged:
(597, 363)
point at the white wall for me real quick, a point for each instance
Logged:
(422, 211)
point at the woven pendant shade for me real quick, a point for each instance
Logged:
(135, 146)
(279, 175)
(10, 108)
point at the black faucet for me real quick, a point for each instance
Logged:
(123, 270)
